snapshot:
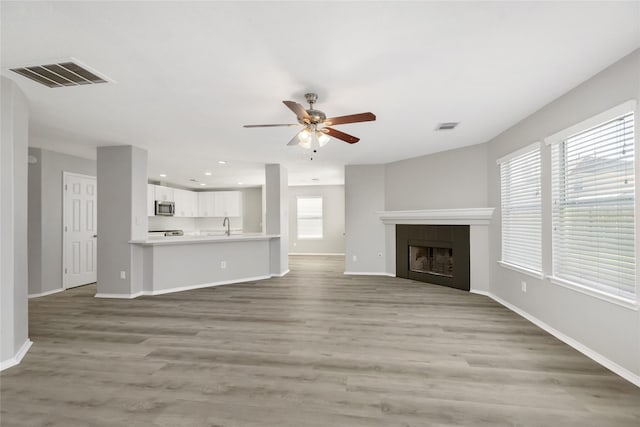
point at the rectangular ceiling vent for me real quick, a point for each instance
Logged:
(447, 125)
(62, 74)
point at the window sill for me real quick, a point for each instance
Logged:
(622, 302)
(523, 270)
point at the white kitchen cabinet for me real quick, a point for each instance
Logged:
(186, 203)
(164, 194)
(219, 203)
(192, 203)
(151, 200)
(206, 200)
(227, 203)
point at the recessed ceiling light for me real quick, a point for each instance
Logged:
(203, 184)
(240, 183)
(222, 162)
(208, 173)
(163, 175)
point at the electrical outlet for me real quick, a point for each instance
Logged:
(123, 275)
(355, 258)
(223, 264)
(523, 284)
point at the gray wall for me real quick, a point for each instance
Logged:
(609, 329)
(469, 177)
(451, 179)
(333, 220)
(277, 217)
(364, 232)
(252, 210)
(122, 216)
(34, 219)
(45, 215)
(13, 223)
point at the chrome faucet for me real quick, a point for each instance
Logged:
(227, 223)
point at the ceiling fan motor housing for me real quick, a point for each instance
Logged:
(316, 116)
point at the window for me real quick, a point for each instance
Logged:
(521, 209)
(309, 217)
(593, 208)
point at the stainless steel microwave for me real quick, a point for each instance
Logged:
(165, 208)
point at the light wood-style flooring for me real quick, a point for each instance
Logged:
(314, 348)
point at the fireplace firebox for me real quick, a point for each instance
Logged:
(437, 254)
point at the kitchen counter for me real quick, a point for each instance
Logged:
(179, 263)
(211, 237)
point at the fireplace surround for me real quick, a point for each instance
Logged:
(478, 220)
(437, 254)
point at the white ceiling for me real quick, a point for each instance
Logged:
(190, 74)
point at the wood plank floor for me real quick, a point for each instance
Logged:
(314, 348)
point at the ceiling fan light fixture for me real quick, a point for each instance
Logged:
(305, 144)
(303, 135)
(323, 138)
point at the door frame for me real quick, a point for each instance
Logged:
(65, 175)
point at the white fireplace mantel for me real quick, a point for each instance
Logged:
(466, 216)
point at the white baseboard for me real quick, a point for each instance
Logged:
(119, 296)
(284, 273)
(594, 355)
(364, 273)
(204, 285)
(480, 292)
(13, 361)
(44, 294)
(188, 287)
(315, 253)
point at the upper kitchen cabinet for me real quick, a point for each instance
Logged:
(219, 203)
(227, 203)
(151, 200)
(164, 194)
(186, 203)
(206, 203)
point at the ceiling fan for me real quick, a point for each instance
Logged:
(316, 130)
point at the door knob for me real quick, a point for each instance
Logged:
(95, 235)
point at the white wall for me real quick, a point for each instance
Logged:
(450, 179)
(332, 241)
(14, 341)
(605, 328)
(364, 232)
(45, 215)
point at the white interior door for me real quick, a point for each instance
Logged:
(80, 230)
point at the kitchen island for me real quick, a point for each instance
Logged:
(178, 263)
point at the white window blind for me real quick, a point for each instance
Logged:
(593, 208)
(309, 217)
(521, 210)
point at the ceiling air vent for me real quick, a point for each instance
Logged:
(447, 125)
(62, 74)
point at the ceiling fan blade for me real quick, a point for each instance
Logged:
(341, 135)
(352, 118)
(270, 126)
(298, 109)
(294, 140)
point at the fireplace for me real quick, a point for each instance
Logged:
(437, 254)
(438, 261)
